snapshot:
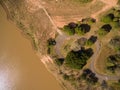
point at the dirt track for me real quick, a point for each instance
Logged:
(109, 5)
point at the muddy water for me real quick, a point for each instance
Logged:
(20, 68)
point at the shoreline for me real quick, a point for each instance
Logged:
(46, 59)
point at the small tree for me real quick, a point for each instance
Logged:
(108, 18)
(68, 30)
(59, 61)
(89, 43)
(79, 31)
(104, 29)
(116, 24)
(65, 77)
(82, 29)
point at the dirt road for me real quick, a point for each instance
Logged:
(93, 68)
(108, 5)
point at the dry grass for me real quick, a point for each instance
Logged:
(101, 62)
(65, 11)
(36, 24)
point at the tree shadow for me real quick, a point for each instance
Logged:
(106, 27)
(93, 39)
(85, 27)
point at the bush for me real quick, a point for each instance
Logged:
(89, 20)
(113, 62)
(115, 43)
(108, 18)
(104, 29)
(79, 31)
(51, 42)
(102, 32)
(65, 77)
(59, 61)
(89, 76)
(116, 24)
(82, 29)
(91, 40)
(89, 43)
(68, 30)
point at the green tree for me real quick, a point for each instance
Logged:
(104, 29)
(108, 18)
(65, 77)
(68, 30)
(77, 60)
(82, 29)
(116, 24)
(89, 43)
(79, 31)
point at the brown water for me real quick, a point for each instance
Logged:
(20, 68)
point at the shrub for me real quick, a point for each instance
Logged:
(91, 40)
(113, 62)
(65, 77)
(89, 76)
(82, 29)
(104, 29)
(59, 61)
(79, 31)
(116, 24)
(108, 18)
(69, 30)
(51, 42)
(115, 43)
(89, 43)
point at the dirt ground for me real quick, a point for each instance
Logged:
(65, 11)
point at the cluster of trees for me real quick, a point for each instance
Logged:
(73, 28)
(104, 29)
(89, 76)
(113, 62)
(78, 59)
(112, 18)
(115, 43)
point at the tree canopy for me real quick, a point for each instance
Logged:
(113, 62)
(69, 30)
(104, 29)
(77, 59)
(82, 29)
(108, 18)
